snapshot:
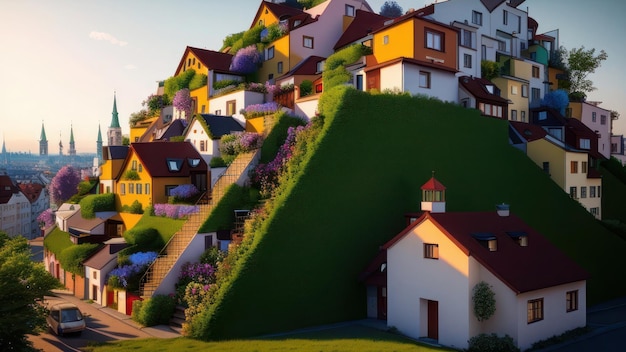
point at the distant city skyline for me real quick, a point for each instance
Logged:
(63, 60)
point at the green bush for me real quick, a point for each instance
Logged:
(335, 72)
(306, 88)
(144, 239)
(490, 69)
(217, 161)
(225, 83)
(176, 83)
(278, 134)
(484, 301)
(492, 343)
(136, 207)
(249, 37)
(223, 215)
(199, 80)
(96, 202)
(156, 310)
(72, 257)
(85, 187)
(131, 175)
(212, 256)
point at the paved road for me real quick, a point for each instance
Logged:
(103, 324)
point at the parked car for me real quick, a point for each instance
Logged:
(66, 318)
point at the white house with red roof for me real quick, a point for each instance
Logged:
(434, 264)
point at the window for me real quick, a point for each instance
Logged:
(431, 251)
(593, 116)
(571, 301)
(231, 107)
(140, 168)
(584, 143)
(319, 88)
(350, 10)
(542, 115)
(483, 52)
(193, 162)
(424, 79)
(134, 166)
(514, 115)
(603, 119)
(168, 190)
(434, 40)
(147, 188)
(359, 82)
(599, 193)
(319, 66)
(583, 192)
(122, 188)
(583, 167)
(592, 191)
(546, 167)
(535, 71)
(131, 188)
(466, 39)
(535, 310)
(477, 18)
(270, 53)
(307, 42)
(174, 164)
(525, 90)
(523, 116)
(467, 60)
(574, 167)
(572, 192)
(279, 67)
(139, 188)
(203, 146)
(535, 93)
(514, 90)
(386, 40)
(595, 211)
(505, 17)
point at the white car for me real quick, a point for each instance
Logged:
(66, 318)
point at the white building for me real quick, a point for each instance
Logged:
(15, 209)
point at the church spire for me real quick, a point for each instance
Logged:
(115, 122)
(99, 145)
(43, 142)
(43, 138)
(72, 150)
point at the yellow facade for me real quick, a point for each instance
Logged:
(200, 97)
(521, 69)
(541, 151)
(575, 110)
(108, 173)
(552, 72)
(256, 124)
(138, 130)
(395, 42)
(280, 51)
(513, 90)
(264, 17)
(191, 62)
(128, 190)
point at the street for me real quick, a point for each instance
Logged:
(103, 324)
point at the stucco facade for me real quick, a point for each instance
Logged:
(598, 120)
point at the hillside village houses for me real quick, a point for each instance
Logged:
(435, 51)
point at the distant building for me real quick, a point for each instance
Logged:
(43, 142)
(114, 133)
(99, 145)
(14, 209)
(72, 150)
(39, 199)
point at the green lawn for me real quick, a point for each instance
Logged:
(167, 227)
(56, 241)
(351, 338)
(374, 154)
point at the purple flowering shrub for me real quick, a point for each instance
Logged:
(182, 101)
(256, 110)
(184, 192)
(246, 60)
(239, 142)
(46, 218)
(265, 176)
(194, 282)
(175, 211)
(127, 276)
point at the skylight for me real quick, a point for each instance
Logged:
(174, 165)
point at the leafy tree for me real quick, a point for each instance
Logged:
(138, 116)
(125, 140)
(183, 102)
(22, 283)
(64, 184)
(484, 301)
(580, 64)
(391, 9)
(490, 69)
(246, 60)
(155, 103)
(176, 83)
(556, 99)
(231, 39)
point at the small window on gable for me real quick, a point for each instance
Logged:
(383, 267)
(487, 240)
(543, 115)
(296, 23)
(349, 10)
(431, 251)
(174, 165)
(386, 40)
(520, 237)
(193, 162)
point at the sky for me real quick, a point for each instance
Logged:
(62, 61)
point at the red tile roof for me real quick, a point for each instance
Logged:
(523, 269)
(307, 67)
(214, 60)
(528, 131)
(363, 24)
(154, 156)
(279, 10)
(7, 188)
(433, 185)
(31, 190)
(477, 87)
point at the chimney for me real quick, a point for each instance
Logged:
(503, 209)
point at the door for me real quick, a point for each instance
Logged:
(373, 80)
(382, 302)
(433, 320)
(94, 292)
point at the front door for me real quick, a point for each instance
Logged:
(382, 302)
(433, 320)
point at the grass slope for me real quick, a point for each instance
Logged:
(374, 154)
(613, 196)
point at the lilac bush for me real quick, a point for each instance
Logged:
(175, 211)
(183, 102)
(126, 275)
(46, 218)
(246, 60)
(240, 142)
(64, 184)
(185, 191)
(256, 110)
(198, 272)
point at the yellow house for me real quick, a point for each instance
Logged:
(139, 129)
(152, 170)
(514, 86)
(114, 157)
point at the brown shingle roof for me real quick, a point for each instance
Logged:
(536, 266)
(7, 188)
(528, 131)
(307, 66)
(477, 87)
(363, 24)
(279, 10)
(31, 190)
(214, 60)
(154, 157)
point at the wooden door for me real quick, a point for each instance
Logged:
(433, 320)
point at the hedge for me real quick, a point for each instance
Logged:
(96, 202)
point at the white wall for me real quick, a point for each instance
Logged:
(195, 135)
(243, 98)
(444, 85)
(604, 142)
(306, 107)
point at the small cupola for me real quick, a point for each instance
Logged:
(503, 209)
(433, 196)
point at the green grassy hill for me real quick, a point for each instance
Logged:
(374, 154)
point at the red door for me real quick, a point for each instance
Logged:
(433, 320)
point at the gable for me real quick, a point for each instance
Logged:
(203, 60)
(168, 159)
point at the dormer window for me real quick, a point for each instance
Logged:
(383, 267)
(489, 88)
(174, 165)
(520, 237)
(193, 162)
(487, 240)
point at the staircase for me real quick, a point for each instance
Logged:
(181, 239)
(178, 318)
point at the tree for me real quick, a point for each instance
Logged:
(246, 60)
(484, 301)
(22, 283)
(556, 99)
(580, 63)
(182, 101)
(391, 9)
(64, 184)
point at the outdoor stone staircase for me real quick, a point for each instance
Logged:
(178, 318)
(181, 239)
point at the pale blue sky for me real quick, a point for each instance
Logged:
(62, 60)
